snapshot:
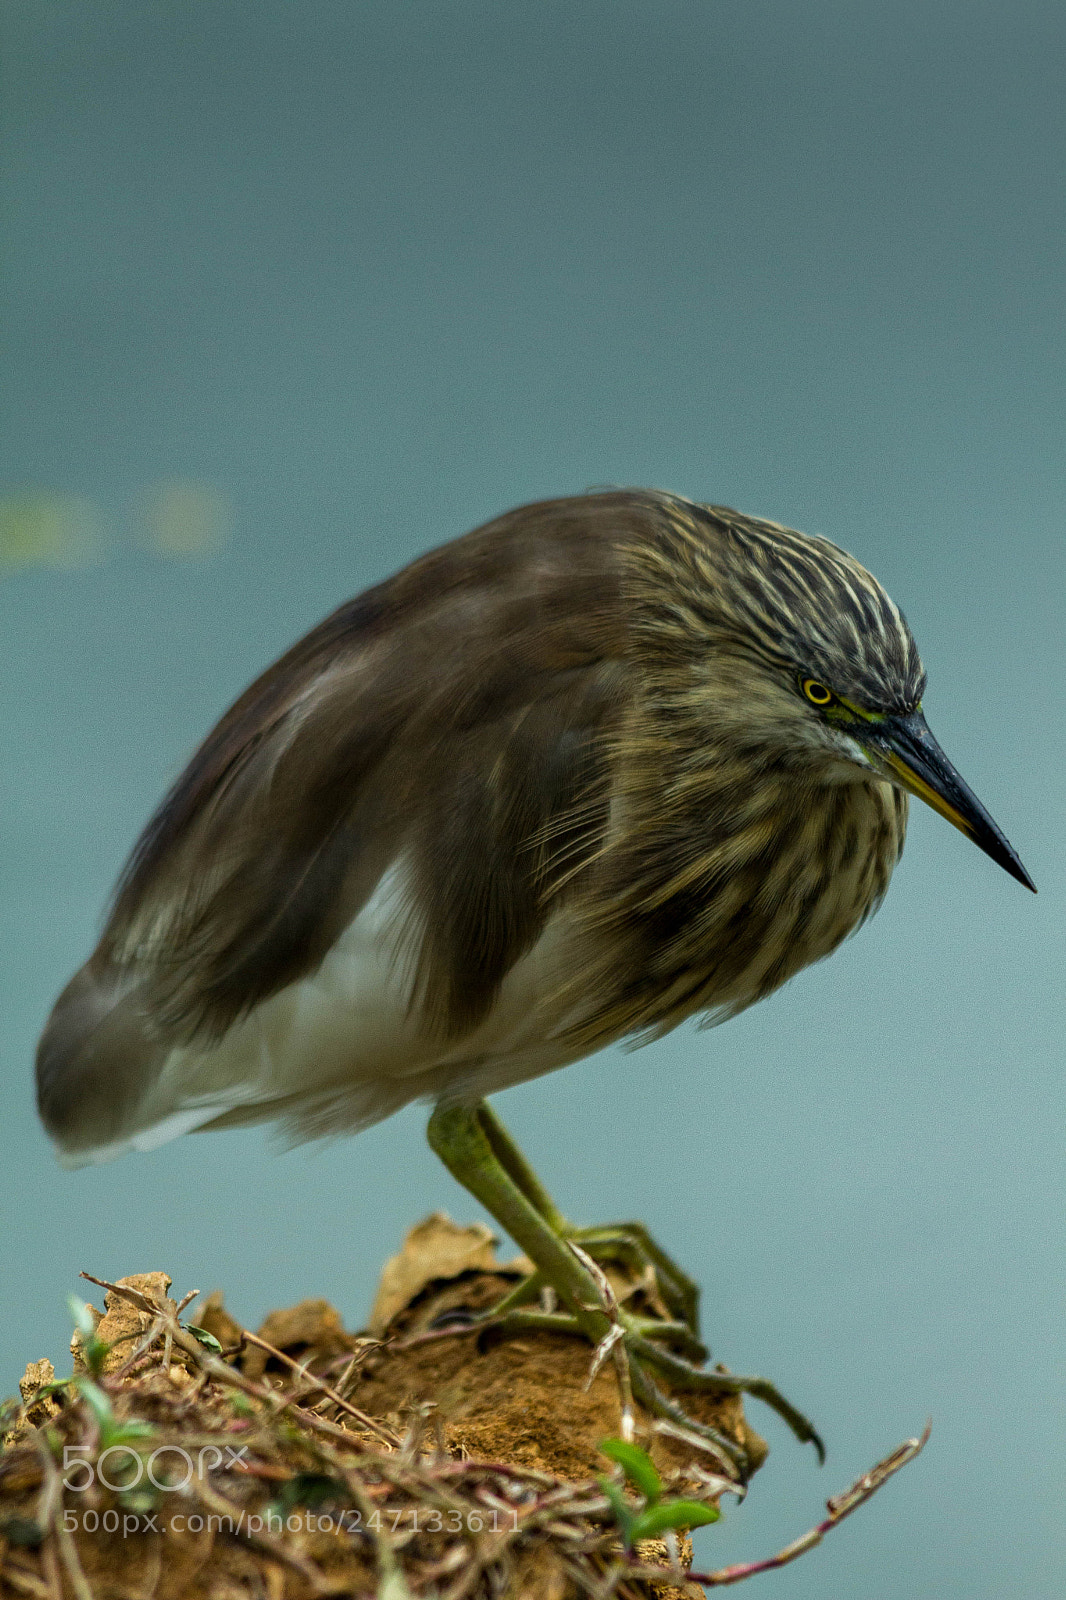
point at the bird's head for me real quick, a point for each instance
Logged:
(817, 662)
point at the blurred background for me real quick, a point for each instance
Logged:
(293, 293)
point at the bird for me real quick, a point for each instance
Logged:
(605, 763)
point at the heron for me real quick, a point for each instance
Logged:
(601, 765)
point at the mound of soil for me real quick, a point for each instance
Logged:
(188, 1456)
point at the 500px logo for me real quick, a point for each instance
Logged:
(80, 1474)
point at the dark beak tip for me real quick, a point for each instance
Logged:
(1014, 867)
(1010, 863)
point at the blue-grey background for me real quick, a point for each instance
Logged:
(294, 292)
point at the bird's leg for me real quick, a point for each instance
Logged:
(628, 1243)
(460, 1137)
(518, 1168)
(507, 1188)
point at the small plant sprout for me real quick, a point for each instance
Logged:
(202, 1336)
(93, 1348)
(657, 1516)
(112, 1431)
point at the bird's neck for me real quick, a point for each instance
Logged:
(724, 875)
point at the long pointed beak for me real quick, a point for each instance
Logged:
(908, 754)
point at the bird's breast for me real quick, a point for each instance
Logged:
(713, 912)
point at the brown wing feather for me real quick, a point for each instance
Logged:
(454, 711)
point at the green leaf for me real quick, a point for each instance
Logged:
(202, 1335)
(140, 1500)
(672, 1514)
(96, 1400)
(84, 1320)
(623, 1511)
(637, 1466)
(311, 1489)
(45, 1389)
(94, 1350)
(126, 1433)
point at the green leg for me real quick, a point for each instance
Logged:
(518, 1168)
(458, 1135)
(481, 1156)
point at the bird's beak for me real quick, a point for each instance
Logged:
(906, 752)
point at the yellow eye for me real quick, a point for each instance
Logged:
(817, 693)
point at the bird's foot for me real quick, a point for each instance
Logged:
(654, 1274)
(639, 1349)
(651, 1277)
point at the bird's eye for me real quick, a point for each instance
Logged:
(817, 693)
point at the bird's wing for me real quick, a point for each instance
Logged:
(454, 715)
